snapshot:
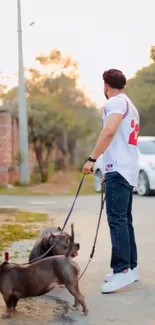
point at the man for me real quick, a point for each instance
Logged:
(118, 143)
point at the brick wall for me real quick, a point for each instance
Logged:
(9, 149)
(5, 146)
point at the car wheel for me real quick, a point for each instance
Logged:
(97, 180)
(143, 187)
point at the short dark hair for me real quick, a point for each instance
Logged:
(114, 78)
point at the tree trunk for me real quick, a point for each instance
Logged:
(38, 153)
(73, 155)
(43, 174)
(62, 145)
(72, 151)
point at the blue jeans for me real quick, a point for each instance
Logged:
(119, 213)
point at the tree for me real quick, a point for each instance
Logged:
(152, 53)
(141, 89)
(2, 91)
(59, 112)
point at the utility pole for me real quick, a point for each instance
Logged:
(22, 109)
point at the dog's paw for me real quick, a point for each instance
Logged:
(6, 315)
(84, 312)
(74, 307)
(61, 286)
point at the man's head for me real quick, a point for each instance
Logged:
(114, 81)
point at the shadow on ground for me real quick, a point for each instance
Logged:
(38, 311)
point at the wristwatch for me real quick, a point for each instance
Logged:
(92, 159)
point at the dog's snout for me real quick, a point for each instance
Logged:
(78, 246)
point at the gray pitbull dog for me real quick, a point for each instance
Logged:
(52, 237)
(38, 278)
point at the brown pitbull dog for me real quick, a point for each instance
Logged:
(32, 280)
(52, 237)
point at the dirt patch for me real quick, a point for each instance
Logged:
(61, 183)
(38, 311)
(65, 183)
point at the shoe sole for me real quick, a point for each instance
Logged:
(111, 280)
(115, 290)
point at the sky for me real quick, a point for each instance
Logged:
(99, 34)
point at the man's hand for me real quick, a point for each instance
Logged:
(88, 168)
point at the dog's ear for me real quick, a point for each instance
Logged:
(56, 232)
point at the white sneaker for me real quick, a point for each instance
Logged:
(119, 281)
(108, 277)
(135, 274)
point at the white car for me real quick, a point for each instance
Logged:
(146, 182)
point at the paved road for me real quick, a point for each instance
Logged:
(136, 304)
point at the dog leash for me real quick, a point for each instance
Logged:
(97, 230)
(65, 223)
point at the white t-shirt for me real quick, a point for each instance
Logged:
(122, 153)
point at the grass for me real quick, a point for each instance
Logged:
(13, 229)
(18, 190)
(30, 217)
(14, 232)
(87, 187)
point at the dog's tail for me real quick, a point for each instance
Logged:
(71, 242)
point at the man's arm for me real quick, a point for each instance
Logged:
(116, 108)
(112, 124)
